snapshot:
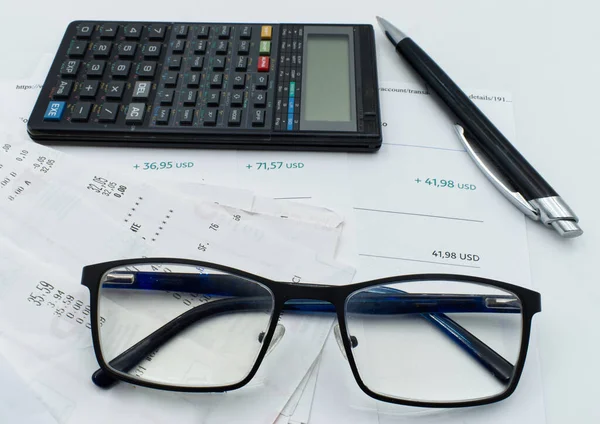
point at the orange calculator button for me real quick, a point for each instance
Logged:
(265, 32)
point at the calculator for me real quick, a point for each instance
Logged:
(265, 86)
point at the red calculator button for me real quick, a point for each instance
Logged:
(263, 64)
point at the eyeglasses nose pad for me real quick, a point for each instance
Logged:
(277, 336)
(338, 337)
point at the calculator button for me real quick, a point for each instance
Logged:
(265, 32)
(133, 31)
(95, 68)
(222, 47)
(224, 32)
(178, 46)
(85, 31)
(135, 113)
(260, 99)
(108, 112)
(88, 88)
(156, 32)
(216, 81)
(120, 69)
(264, 48)
(69, 68)
(171, 79)
(203, 31)
(235, 117)
(192, 79)
(263, 64)
(77, 48)
(210, 117)
(114, 90)
(189, 97)
(166, 97)
(141, 90)
(127, 49)
(262, 81)
(239, 80)
(242, 63)
(81, 111)
(162, 116)
(175, 63)
(102, 49)
(151, 50)
(54, 111)
(63, 89)
(246, 32)
(219, 64)
(187, 116)
(258, 118)
(109, 31)
(181, 31)
(200, 47)
(213, 98)
(197, 63)
(237, 98)
(146, 69)
(243, 47)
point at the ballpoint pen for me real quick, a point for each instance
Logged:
(530, 192)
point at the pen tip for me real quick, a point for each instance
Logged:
(393, 33)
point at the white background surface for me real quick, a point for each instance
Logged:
(546, 53)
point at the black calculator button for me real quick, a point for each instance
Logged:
(189, 97)
(127, 49)
(109, 31)
(222, 47)
(162, 116)
(237, 98)
(77, 48)
(258, 118)
(156, 32)
(120, 69)
(85, 30)
(170, 79)
(166, 97)
(151, 50)
(213, 98)
(246, 32)
(135, 113)
(210, 117)
(262, 81)
(219, 64)
(102, 49)
(69, 68)
(63, 89)
(260, 99)
(108, 112)
(114, 90)
(200, 47)
(88, 88)
(239, 80)
(235, 117)
(141, 90)
(224, 32)
(81, 112)
(133, 31)
(146, 69)
(187, 116)
(175, 63)
(178, 46)
(95, 69)
(243, 47)
(241, 64)
(197, 63)
(203, 31)
(216, 80)
(181, 31)
(192, 79)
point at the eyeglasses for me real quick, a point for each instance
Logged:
(432, 340)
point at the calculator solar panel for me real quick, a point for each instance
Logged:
(212, 85)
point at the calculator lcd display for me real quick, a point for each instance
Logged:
(327, 78)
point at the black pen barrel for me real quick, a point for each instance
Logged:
(477, 127)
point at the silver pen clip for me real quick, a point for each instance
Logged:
(513, 196)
